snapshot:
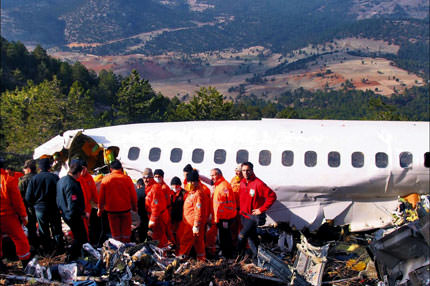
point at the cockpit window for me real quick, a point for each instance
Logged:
(265, 157)
(219, 156)
(241, 156)
(198, 155)
(176, 155)
(357, 159)
(333, 159)
(287, 158)
(427, 160)
(133, 153)
(381, 160)
(405, 159)
(154, 154)
(310, 158)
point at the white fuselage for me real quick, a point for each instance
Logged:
(349, 171)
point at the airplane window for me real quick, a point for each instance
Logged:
(241, 156)
(287, 158)
(265, 157)
(198, 155)
(357, 159)
(405, 159)
(133, 153)
(219, 156)
(381, 160)
(154, 154)
(427, 160)
(176, 155)
(310, 158)
(334, 159)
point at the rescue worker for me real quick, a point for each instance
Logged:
(12, 215)
(224, 210)
(29, 172)
(159, 178)
(141, 210)
(13, 175)
(235, 185)
(41, 194)
(118, 197)
(71, 202)
(156, 207)
(89, 190)
(192, 228)
(178, 199)
(255, 199)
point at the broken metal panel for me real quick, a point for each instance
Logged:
(311, 261)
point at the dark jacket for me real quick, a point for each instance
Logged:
(141, 203)
(23, 183)
(177, 205)
(70, 198)
(42, 190)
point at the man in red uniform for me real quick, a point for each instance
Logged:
(156, 207)
(168, 193)
(89, 190)
(224, 210)
(192, 228)
(255, 199)
(235, 185)
(12, 214)
(118, 197)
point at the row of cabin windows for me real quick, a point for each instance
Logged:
(265, 157)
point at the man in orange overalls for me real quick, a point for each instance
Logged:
(89, 190)
(12, 214)
(156, 207)
(118, 197)
(192, 228)
(235, 185)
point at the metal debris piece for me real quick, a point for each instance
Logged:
(310, 261)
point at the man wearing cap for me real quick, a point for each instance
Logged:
(156, 207)
(255, 199)
(224, 210)
(118, 197)
(159, 179)
(41, 194)
(71, 202)
(178, 198)
(192, 228)
(29, 172)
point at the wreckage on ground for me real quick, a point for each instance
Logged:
(348, 172)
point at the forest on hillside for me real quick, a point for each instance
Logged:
(42, 97)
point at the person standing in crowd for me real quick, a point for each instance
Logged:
(141, 210)
(89, 190)
(118, 197)
(71, 202)
(177, 209)
(224, 210)
(12, 215)
(29, 172)
(235, 185)
(255, 199)
(41, 194)
(156, 207)
(159, 178)
(191, 231)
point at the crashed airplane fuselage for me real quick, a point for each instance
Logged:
(351, 172)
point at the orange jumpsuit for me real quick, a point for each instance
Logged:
(90, 194)
(156, 207)
(235, 228)
(224, 203)
(193, 215)
(11, 210)
(117, 197)
(168, 193)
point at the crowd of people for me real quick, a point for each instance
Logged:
(196, 214)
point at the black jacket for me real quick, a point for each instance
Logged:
(70, 198)
(42, 190)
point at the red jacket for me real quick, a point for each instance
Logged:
(11, 202)
(255, 194)
(89, 189)
(155, 203)
(117, 193)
